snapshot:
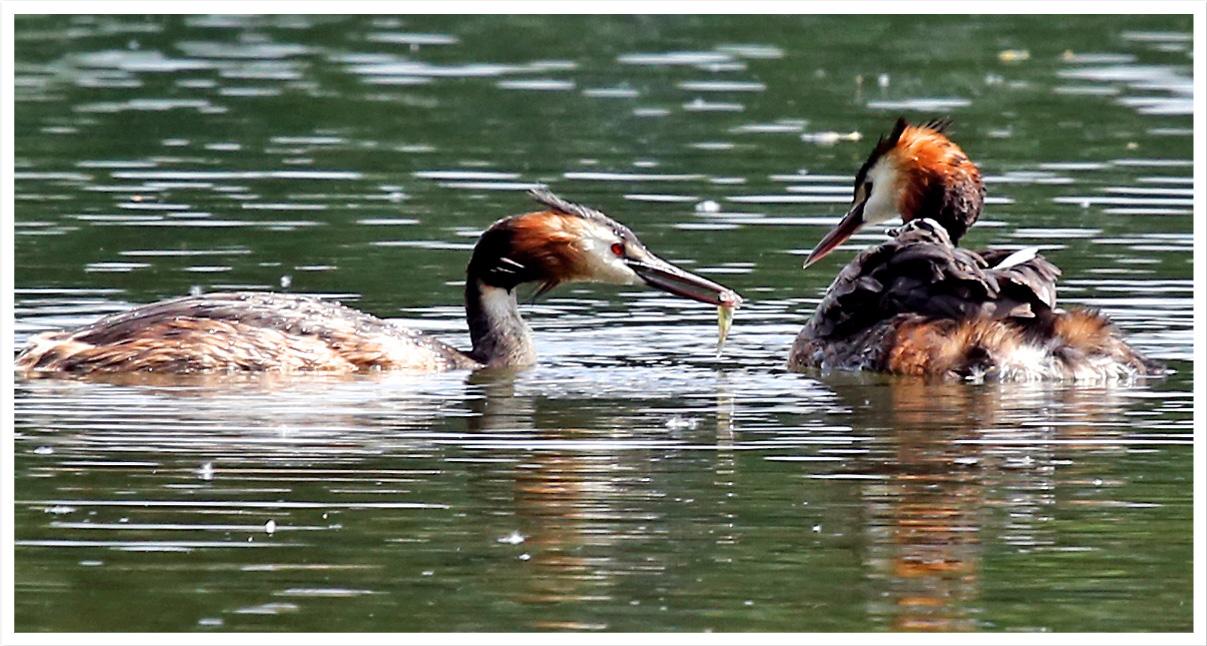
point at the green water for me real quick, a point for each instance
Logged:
(632, 481)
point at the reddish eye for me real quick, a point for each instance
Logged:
(618, 248)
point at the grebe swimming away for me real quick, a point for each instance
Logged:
(919, 305)
(255, 331)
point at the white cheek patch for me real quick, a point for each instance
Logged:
(882, 205)
(603, 265)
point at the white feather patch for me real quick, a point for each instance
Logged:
(1018, 257)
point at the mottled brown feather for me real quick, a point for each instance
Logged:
(238, 331)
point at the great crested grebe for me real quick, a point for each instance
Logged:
(255, 331)
(919, 305)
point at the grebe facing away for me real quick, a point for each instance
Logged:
(254, 331)
(919, 305)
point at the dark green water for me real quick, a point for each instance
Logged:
(632, 481)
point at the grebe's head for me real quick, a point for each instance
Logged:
(567, 242)
(914, 172)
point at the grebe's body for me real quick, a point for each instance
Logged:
(920, 305)
(255, 331)
(239, 331)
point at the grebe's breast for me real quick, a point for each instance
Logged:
(239, 331)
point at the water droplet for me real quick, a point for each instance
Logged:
(514, 538)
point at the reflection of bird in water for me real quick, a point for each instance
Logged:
(596, 503)
(925, 519)
(252, 331)
(920, 305)
(965, 472)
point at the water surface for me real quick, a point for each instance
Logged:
(632, 481)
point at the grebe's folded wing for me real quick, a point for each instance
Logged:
(1034, 274)
(921, 272)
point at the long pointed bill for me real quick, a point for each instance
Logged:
(660, 274)
(850, 223)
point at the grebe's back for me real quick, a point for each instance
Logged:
(239, 331)
(919, 305)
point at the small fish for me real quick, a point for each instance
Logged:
(725, 319)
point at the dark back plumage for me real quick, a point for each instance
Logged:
(919, 305)
(920, 271)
